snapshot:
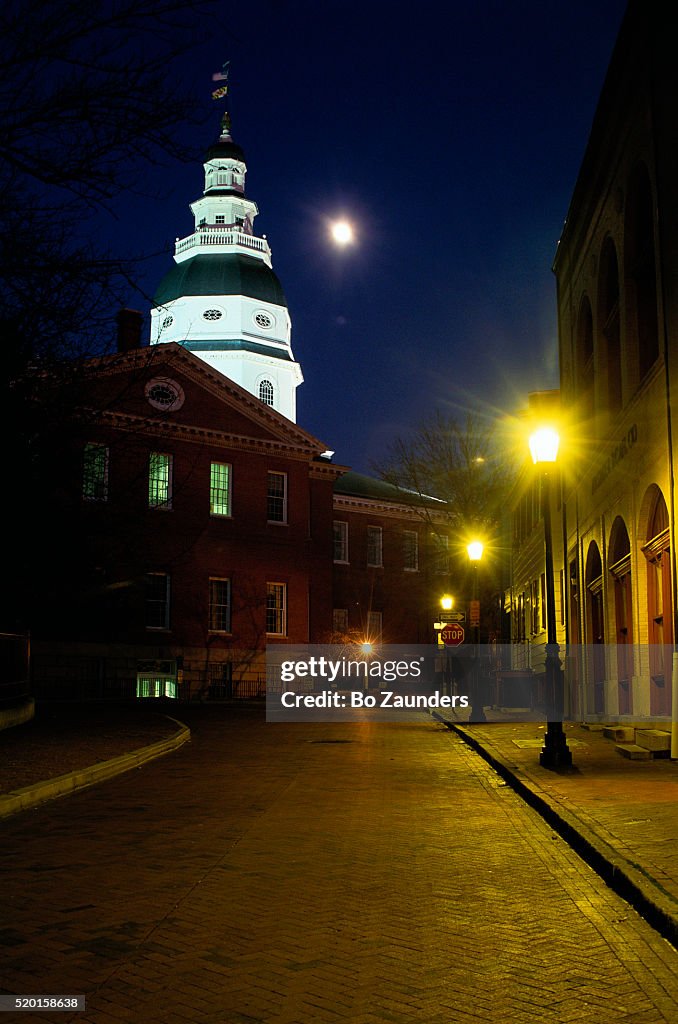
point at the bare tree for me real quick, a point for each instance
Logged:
(459, 474)
(90, 97)
(461, 464)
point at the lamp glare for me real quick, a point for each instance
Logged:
(544, 445)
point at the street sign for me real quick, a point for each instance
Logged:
(475, 613)
(452, 635)
(453, 616)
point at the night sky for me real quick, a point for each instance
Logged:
(450, 135)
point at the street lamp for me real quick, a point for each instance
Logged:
(475, 553)
(446, 604)
(555, 752)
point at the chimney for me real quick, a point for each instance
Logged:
(129, 329)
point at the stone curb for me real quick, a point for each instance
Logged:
(626, 878)
(18, 714)
(39, 792)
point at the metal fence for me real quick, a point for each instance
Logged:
(84, 678)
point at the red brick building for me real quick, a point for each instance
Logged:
(206, 529)
(202, 522)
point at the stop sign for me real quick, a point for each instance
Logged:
(452, 634)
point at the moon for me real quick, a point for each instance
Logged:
(342, 232)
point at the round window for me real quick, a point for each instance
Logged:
(263, 320)
(212, 314)
(164, 394)
(167, 322)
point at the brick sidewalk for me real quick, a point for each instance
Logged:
(627, 810)
(66, 737)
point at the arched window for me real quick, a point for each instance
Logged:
(584, 372)
(608, 305)
(619, 566)
(640, 272)
(595, 628)
(266, 392)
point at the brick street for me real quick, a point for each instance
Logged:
(316, 874)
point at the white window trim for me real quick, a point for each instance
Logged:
(371, 531)
(211, 629)
(343, 523)
(167, 504)
(168, 583)
(229, 499)
(283, 610)
(283, 521)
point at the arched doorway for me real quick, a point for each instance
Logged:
(595, 627)
(659, 605)
(619, 566)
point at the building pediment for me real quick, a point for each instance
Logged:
(172, 391)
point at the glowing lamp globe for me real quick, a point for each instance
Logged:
(544, 445)
(475, 550)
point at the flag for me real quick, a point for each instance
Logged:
(222, 76)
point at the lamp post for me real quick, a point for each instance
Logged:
(446, 604)
(475, 553)
(555, 752)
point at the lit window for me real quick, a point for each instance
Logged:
(95, 472)
(340, 542)
(220, 489)
(220, 606)
(159, 480)
(374, 546)
(276, 609)
(276, 498)
(266, 392)
(157, 600)
(157, 678)
(410, 550)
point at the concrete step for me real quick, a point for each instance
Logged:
(634, 752)
(656, 740)
(620, 733)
